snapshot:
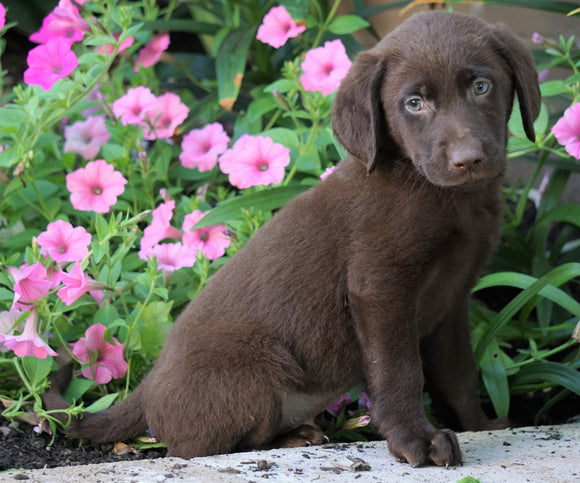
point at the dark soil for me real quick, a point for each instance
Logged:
(22, 448)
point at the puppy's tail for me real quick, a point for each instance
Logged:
(121, 421)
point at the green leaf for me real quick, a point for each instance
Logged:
(36, 369)
(13, 115)
(346, 24)
(102, 403)
(552, 372)
(286, 137)
(554, 88)
(267, 200)
(156, 322)
(101, 225)
(557, 276)
(567, 213)
(309, 161)
(111, 151)
(76, 389)
(181, 25)
(231, 64)
(523, 281)
(493, 373)
(541, 123)
(468, 479)
(281, 85)
(296, 8)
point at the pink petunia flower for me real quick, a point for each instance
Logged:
(108, 49)
(63, 22)
(95, 187)
(131, 107)
(212, 241)
(201, 147)
(334, 409)
(7, 320)
(86, 137)
(29, 343)
(255, 160)
(164, 116)
(76, 284)
(2, 16)
(324, 67)
(63, 243)
(567, 130)
(277, 27)
(31, 283)
(327, 172)
(159, 229)
(104, 360)
(152, 52)
(49, 63)
(173, 256)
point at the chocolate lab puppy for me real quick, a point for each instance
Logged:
(366, 276)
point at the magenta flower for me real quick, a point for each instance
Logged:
(2, 16)
(211, 240)
(159, 229)
(164, 116)
(201, 147)
(173, 256)
(255, 160)
(31, 283)
(567, 130)
(95, 187)
(152, 52)
(334, 409)
(108, 49)
(76, 284)
(63, 243)
(131, 107)
(324, 67)
(49, 63)
(104, 361)
(29, 343)
(327, 172)
(63, 22)
(277, 27)
(86, 137)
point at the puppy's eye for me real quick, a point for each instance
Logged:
(414, 104)
(480, 87)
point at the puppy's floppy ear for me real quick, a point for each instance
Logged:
(525, 76)
(358, 118)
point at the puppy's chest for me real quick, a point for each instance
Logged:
(456, 265)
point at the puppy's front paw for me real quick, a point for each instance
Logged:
(437, 447)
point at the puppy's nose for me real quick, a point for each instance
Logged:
(465, 159)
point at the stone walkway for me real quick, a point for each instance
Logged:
(545, 454)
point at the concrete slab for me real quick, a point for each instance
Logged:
(543, 454)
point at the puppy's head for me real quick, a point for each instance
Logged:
(438, 90)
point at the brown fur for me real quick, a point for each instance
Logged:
(365, 276)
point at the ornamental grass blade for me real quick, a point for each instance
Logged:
(493, 373)
(556, 277)
(523, 281)
(546, 371)
(231, 65)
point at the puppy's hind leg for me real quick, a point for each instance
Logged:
(225, 393)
